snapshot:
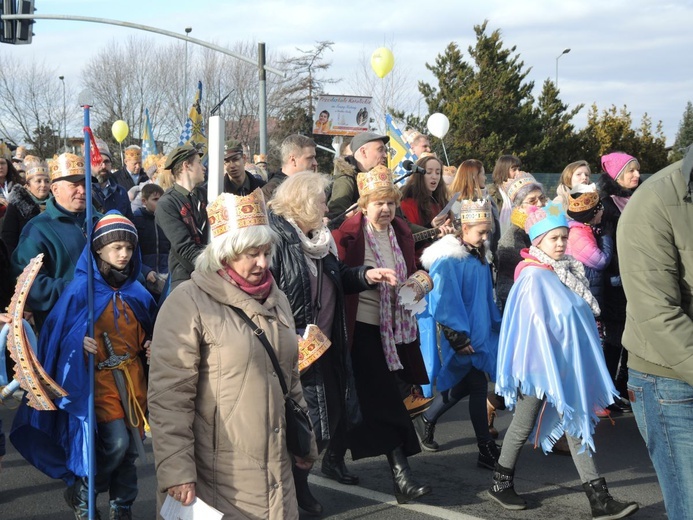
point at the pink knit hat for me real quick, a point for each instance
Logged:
(615, 163)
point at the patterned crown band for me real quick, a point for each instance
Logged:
(378, 178)
(583, 202)
(133, 153)
(475, 211)
(229, 212)
(516, 184)
(66, 165)
(34, 166)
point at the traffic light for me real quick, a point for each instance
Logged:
(7, 27)
(25, 27)
(17, 32)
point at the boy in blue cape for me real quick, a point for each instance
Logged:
(56, 442)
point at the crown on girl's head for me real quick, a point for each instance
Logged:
(583, 197)
(230, 212)
(376, 179)
(475, 211)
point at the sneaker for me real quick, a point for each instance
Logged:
(417, 403)
(425, 431)
(75, 501)
(120, 513)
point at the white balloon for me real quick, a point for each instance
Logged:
(438, 124)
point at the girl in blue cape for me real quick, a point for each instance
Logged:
(550, 364)
(462, 304)
(56, 441)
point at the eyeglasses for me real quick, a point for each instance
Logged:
(534, 201)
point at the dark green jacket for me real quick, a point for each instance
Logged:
(61, 237)
(655, 241)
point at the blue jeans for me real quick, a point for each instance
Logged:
(116, 454)
(663, 409)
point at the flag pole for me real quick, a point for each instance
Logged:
(91, 418)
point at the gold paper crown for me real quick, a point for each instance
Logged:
(583, 197)
(378, 178)
(475, 211)
(518, 182)
(230, 212)
(449, 170)
(20, 153)
(35, 166)
(133, 152)
(149, 165)
(260, 158)
(66, 165)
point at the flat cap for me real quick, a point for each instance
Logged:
(366, 137)
(180, 154)
(232, 147)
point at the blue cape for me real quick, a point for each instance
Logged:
(55, 442)
(462, 299)
(549, 347)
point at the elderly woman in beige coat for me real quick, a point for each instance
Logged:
(216, 405)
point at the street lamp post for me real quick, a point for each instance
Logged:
(188, 30)
(62, 79)
(565, 51)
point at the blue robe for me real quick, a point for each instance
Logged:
(462, 299)
(55, 442)
(549, 347)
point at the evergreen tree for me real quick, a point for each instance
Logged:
(489, 103)
(684, 137)
(559, 142)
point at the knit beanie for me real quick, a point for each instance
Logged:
(542, 220)
(113, 227)
(615, 163)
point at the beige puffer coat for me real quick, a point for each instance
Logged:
(216, 406)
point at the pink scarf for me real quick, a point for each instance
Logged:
(620, 202)
(259, 292)
(398, 327)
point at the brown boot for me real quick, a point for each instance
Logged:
(491, 411)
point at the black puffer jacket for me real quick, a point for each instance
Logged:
(21, 209)
(614, 301)
(328, 383)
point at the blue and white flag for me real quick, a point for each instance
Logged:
(193, 131)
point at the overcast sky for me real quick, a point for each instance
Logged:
(633, 52)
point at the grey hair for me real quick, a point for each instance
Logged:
(294, 145)
(232, 244)
(526, 190)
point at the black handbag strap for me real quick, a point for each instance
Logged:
(317, 304)
(260, 334)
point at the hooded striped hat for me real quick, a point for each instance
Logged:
(113, 227)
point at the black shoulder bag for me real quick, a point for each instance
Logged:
(298, 424)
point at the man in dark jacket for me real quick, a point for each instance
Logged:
(182, 212)
(131, 174)
(108, 194)
(237, 180)
(59, 233)
(298, 155)
(370, 150)
(656, 265)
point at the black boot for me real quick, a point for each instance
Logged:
(406, 488)
(77, 497)
(305, 498)
(425, 431)
(488, 454)
(503, 489)
(603, 505)
(333, 467)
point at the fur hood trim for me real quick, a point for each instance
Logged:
(345, 166)
(448, 246)
(608, 187)
(23, 201)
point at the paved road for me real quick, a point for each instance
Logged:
(549, 483)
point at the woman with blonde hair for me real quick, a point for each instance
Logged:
(308, 270)
(575, 173)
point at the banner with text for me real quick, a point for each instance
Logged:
(342, 115)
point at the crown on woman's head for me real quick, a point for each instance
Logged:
(378, 178)
(230, 212)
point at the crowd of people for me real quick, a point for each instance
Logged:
(210, 316)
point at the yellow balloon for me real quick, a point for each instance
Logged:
(382, 61)
(120, 130)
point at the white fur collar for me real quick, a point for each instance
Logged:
(448, 246)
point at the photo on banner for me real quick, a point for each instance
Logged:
(341, 115)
